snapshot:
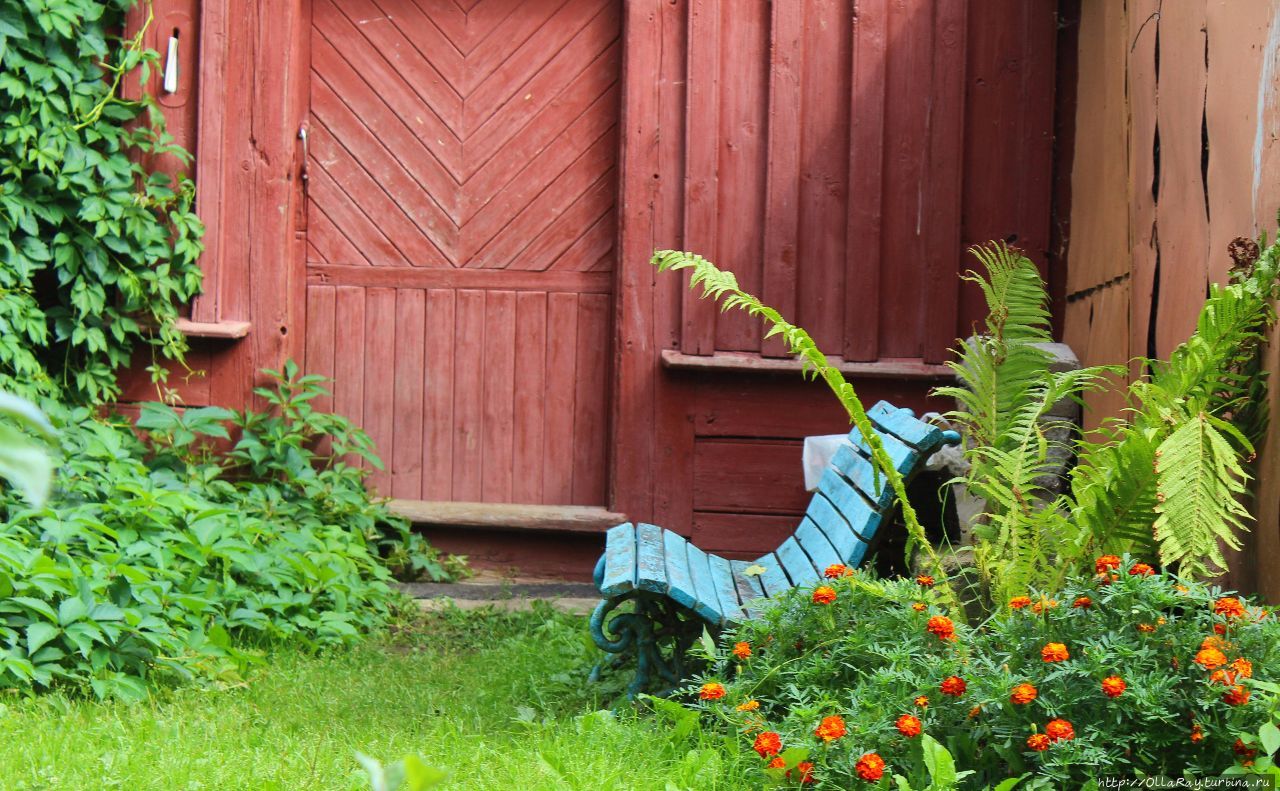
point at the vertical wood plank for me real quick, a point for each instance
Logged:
(379, 369)
(1140, 89)
(824, 171)
(212, 167)
(499, 387)
(590, 429)
(320, 339)
(702, 147)
(468, 397)
(782, 209)
(943, 183)
(558, 433)
(742, 154)
(530, 387)
(1182, 205)
(349, 355)
(438, 369)
(863, 255)
(406, 463)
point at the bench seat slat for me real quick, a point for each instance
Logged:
(750, 591)
(651, 567)
(816, 546)
(707, 604)
(855, 508)
(833, 525)
(722, 577)
(900, 422)
(774, 580)
(620, 566)
(676, 562)
(796, 563)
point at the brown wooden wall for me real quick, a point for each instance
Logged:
(837, 154)
(1175, 155)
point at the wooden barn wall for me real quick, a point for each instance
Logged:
(1175, 155)
(838, 155)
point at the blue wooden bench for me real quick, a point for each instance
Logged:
(677, 589)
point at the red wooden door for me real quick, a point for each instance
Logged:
(460, 228)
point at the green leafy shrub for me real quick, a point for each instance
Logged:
(884, 650)
(163, 555)
(96, 252)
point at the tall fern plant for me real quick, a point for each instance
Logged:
(1169, 482)
(1014, 445)
(722, 286)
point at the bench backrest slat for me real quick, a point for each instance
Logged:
(834, 525)
(904, 426)
(750, 590)
(774, 579)
(726, 590)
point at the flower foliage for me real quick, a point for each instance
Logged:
(1052, 694)
(96, 251)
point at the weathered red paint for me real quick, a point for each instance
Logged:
(837, 154)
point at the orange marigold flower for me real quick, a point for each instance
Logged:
(919, 606)
(1042, 605)
(805, 768)
(1237, 695)
(1146, 628)
(908, 726)
(1180, 588)
(975, 711)
(837, 570)
(1243, 750)
(1220, 628)
(1211, 642)
(1229, 606)
(870, 767)
(767, 743)
(1210, 658)
(1018, 602)
(1059, 730)
(1106, 563)
(1082, 603)
(1023, 693)
(1113, 686)
(1197, 734)
(831, 728)
(1106, 579)
(712, 690)
(953, 686)
(750, 705)
(1243, 667)
(925, 579)
(1223, 677)
(1141, 570)
(1054, 652)
(922, 701)
(778, 763)
(941, 626)
(1038, 742)
(742, 649)
(824, 594)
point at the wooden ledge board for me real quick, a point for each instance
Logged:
(895, 368)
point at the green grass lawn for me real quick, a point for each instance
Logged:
(498, 701)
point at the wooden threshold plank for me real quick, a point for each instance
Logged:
(508, 516)
(892, 368)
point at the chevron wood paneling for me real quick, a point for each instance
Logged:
(460, 239)
(484, 137)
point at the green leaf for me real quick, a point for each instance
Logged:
(938, 760)
(38, 634)
(1269, 736)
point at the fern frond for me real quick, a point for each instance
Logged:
(1199, 481)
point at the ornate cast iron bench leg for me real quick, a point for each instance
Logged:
(656, 632)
